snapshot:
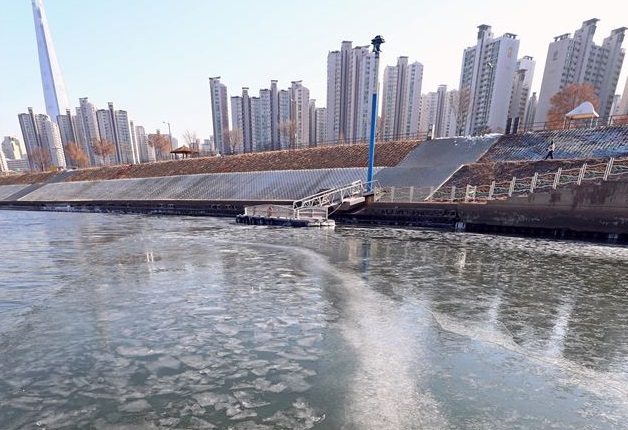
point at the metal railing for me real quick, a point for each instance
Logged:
(404, 194)
(540, 181)
(286, 212)
(335, 196)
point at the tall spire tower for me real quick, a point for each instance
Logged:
(51, 79)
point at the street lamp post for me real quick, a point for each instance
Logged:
(377, 42)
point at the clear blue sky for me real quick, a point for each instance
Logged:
(153, 57)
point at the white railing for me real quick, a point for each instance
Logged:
(540, 181)
(270, 211)
(404, 194)
(336, 196)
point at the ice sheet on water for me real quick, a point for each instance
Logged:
(498, 334)
(295, 382)
(135, 406)
(248, 400)
(134, 351)
(298, 354)
(249, 425)
(226, 329)
(261, 384)
(301, 415)
(309, 341)
(194, 361)
(200, 424)
(211, 399)
(164, 363)
(169, 422)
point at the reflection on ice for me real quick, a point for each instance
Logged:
(203, 324)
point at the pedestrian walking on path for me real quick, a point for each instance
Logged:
(550, 150)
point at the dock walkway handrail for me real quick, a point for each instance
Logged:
(540, 181)
(326, 198)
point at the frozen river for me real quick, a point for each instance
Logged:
(125, 322)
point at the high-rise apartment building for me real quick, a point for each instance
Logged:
(312, 119)
(266, 124)
(401, 105)
(12, 148)
(350, 82)
(528, 120)
(87, 125)
(256, 125)
(577, 60)
(274, 111)
(106, 130)
(486, 82)
(439, 113)
(236, 139)
(300, 114)
(42, 141)
(113, 126)
(321, 125)
(521, 86)
(67, 128)
(4, 167)
(429, 103)
(124, 144)
(247, 130)
(363, 83)
(440, 118)
(220, 115)
(622, 107)
(52, 81)
(285, 126)
(146, 151)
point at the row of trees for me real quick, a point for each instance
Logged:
(235, 140)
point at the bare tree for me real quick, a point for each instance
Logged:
(191, 139)
(77, 154)
(568, 99)
(234, 139)
(288, 130)
(103, 148)
(161, 144)
(40, 158)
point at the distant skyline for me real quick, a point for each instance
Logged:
(153, 58)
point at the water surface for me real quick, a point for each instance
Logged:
(127, 321)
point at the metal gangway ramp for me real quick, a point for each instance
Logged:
(310, 211)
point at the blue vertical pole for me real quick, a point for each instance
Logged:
(369, 174)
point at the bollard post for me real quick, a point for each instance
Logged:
(491, 191)
(511, 189)
(535, 178)
(453, 193)
(609, 168)
(583, 169)
(411, 193)
(557, 178)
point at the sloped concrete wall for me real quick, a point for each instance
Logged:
(604, 142)
(433, 162)
(274, 185)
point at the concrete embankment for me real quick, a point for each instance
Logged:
(223, 186)
(596, 211)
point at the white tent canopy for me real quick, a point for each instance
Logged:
(584, 111)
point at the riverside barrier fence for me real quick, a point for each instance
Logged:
(538, 182)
